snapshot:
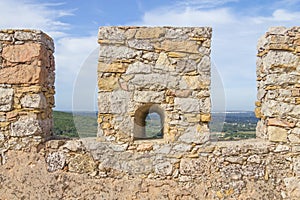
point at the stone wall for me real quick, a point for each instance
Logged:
(26, 87)
(154, 69)
(278, 83)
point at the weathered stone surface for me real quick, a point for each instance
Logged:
(293, 187)
(154, 81)
(278, 122)
(104, 102)
(149, 96)
(81, 163)
(160, 70)
(55, 161)
(146, 33)
(6, 99)
(108, 83)
(163, 62)
(141, 44)
(194, 167)
(294, 139)
(194, 135)
(205, 118)
(164, 169)
(26, 126)
(204, 65)
(119, 101)
(72, 145)
(22, 74)
(282, 148)
(178, 46)
(117, 52)
(188, 104)
(280, 59)
(22, 53)
(138, 68)
(277, 134)
(111, 67)
(145, 147)
(254, 159)
(34, 101)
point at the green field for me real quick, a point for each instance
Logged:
(81, 124)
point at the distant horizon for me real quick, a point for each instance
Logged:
(227, 111)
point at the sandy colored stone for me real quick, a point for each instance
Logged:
(205, 117)
(22, 53)
(112, 67)
(145, 147)
(108, 83)
(277, 134)
(22, 74)
(81, 163)
(178, 46)
(257, 112)
(279, 122)
(146, 33)
(192, 82)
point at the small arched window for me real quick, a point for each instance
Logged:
(149, 122)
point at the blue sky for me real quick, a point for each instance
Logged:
(237, 25)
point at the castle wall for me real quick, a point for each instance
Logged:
(115, 165)
(26, 88)
(278, 85)
(162, 69)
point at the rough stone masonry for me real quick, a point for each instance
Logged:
(116, 165)
(26, 87)
(161, 69)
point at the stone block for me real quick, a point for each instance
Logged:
(178, 46)
(22, 74)
(188, 105)
(81, 163)
(55, 161)
(147, 33)
(117, 52)
(279, 122)
(119, 101)
(141, 45)
(22, 53)
(104, 102)
(149, 96)
(6, 99)
(193, 134)
(277, 134)
(34, 101)
(164, 169)
(138, 68)
(112, 67)
(26, 126)
(108, 83)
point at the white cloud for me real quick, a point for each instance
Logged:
(279, 15)
(204, 3)
(27, 14)
(188, 17)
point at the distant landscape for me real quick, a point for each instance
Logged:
(232, 125)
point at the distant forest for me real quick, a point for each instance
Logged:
(224, 126)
